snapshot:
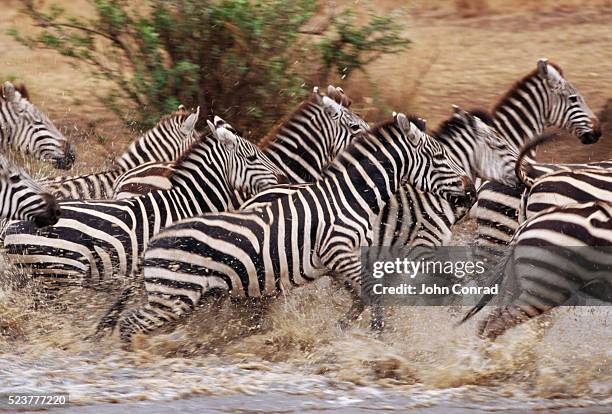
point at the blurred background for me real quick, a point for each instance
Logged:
(107, 69)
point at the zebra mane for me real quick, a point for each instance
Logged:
(8, 167)
(520, 84)
(420, 123)
(272, 134)
(181, 111)
(337, 95)
(194, 145)
(447, 126)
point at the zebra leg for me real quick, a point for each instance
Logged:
(377, 323)
(502, 319)
(346, 266)
(355, 310)
(111, 317)
(152, 316)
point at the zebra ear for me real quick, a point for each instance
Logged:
(543, 67)
(412, 131)
(222, 133)
(460, 113)
(318, 98)
(189, 123)
(8, 91)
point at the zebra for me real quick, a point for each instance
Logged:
(416, 218)
(554, 255)
(23, 198)
(315, 230)
(25, 128)
(98, 240)
(301, 146)
(167, 141)
(564, 186)
(542, 98)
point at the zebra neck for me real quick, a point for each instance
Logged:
(301, 147)
(365, 186)
(202, 177)
(523, 113)
(460, 144)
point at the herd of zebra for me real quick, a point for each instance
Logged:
(184, 215)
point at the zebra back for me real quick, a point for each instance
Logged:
(563, 187)
(143, 179)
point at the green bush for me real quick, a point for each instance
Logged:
(235, 58)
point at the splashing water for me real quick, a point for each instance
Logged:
(297, 350)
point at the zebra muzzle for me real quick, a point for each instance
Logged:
(591, 137)
(67, 161)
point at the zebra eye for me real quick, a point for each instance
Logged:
(251, 158)
(14, 179)
(355, 127)
(573, 98)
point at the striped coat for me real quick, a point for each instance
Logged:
(26, 129)
(317, 229)
(97, 240)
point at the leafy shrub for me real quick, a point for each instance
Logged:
(235, 58)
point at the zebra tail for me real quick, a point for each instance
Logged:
(522, 168)
(111, 317)
(499, 270)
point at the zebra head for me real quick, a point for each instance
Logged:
(477, 147)
(344, 125)
(567, 108)
(31, 131)
(25, 199)
(431, 168)
(249, 170)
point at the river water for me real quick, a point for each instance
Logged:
(296, 359)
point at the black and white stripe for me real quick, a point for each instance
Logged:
(567, 187)
(415, 218)
(541, 99)
(479, 151)
(167, 141)
(26, 129)
(553, 256)
(23, 198)
(96, 240)
(302, 146)
(316, 230)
